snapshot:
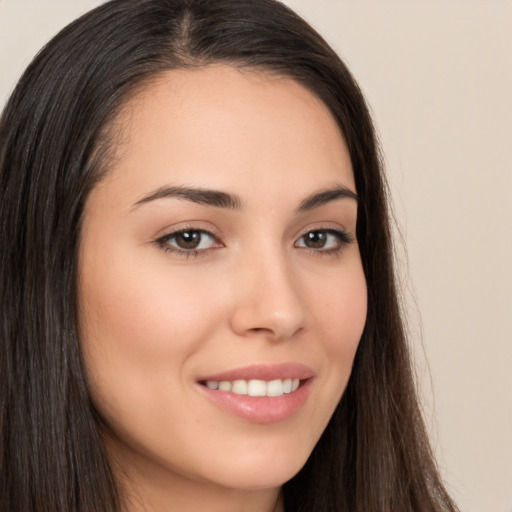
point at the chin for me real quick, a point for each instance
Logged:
(260, 471)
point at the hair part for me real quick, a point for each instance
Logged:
(57, 137)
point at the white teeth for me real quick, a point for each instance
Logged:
(256, 387)
(239, 387)
(275, 388)
(225, 385)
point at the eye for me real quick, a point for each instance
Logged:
(326, 240)
(188, 241)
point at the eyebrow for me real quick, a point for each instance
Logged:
(326, 196)
(207, 197)
(221, 199)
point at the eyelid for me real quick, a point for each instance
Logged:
(189, 225)
(329, 226)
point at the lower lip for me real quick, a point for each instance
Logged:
(260, 409)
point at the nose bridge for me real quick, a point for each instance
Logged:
(268, 299)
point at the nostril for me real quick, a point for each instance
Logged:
(277, 313)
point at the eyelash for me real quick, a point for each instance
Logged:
(343, 239)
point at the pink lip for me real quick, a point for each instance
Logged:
(264, 372)
(261, 409)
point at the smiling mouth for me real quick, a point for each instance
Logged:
(260, 393)
(255, 387)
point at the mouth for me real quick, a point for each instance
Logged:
(260, 393)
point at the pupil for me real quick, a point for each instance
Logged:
(188, 239)
(316, 239)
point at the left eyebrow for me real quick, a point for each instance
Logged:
(326, 196)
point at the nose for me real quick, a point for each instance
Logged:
(268, 301)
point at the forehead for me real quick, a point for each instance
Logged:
(218, 125)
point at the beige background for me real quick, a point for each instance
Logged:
(438, 77)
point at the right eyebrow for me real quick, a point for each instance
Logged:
(326, 196)
(204, 196)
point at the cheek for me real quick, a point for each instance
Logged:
(139, 310)
(341, 313)
(341, 310)
(137, 332)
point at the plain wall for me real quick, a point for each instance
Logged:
(438, 77)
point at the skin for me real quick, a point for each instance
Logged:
(153, 320)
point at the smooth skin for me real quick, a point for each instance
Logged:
(175, 288)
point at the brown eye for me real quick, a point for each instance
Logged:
(315, 239)
(188, 240)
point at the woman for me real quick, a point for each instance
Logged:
(198, 299)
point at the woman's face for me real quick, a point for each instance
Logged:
(218, 258)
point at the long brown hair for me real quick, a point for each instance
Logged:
(54, 146)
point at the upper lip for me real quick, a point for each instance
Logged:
(265, 372)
